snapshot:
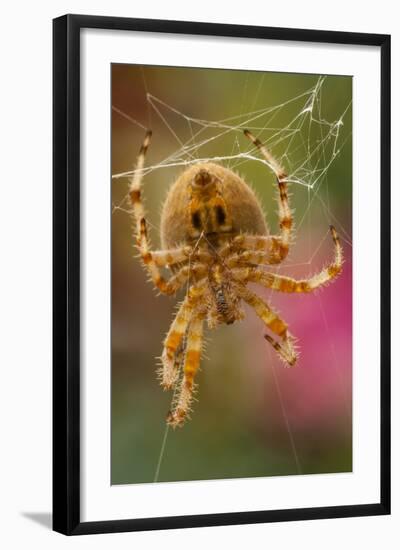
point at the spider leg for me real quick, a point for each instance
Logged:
(268, 247)
(285, 348)
(247, 258)
(192, 273)
(166, 258)
(151, 260)
(169, 374)
(286, 352)
(169, 370)
(285, 213)
(138, 213)
(288, 284)
(181, 255)
(194, 340)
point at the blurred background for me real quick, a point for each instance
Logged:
(253, 417)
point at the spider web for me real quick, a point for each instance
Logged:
(306, 144)
(309, 143)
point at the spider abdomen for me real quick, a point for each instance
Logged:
(209, 200)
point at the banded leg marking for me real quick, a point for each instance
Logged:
(284, 348)
(266, 314)
(187, 272)
(285, 213)
(181, 407)
(139, 216)
(290, 285)
(285, 351)
(270, 247)
(168, 372)
(168, 258)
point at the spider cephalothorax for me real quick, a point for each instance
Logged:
(215, 240)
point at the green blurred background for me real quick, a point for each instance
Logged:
(253, 417)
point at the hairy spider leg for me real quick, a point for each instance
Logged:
(168, 372)
(269, 246)
(285, 213)
(287, 284)
(275, 324)
(247, 258)
(194, 341)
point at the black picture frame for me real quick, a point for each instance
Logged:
(66, 273)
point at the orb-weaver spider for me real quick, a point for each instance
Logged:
(214, 237)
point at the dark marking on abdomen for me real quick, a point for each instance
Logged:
(196, 220)
(220, 213)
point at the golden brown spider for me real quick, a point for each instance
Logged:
(215, 238)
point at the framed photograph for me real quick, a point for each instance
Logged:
(221, 274)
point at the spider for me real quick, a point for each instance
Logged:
(215, 239)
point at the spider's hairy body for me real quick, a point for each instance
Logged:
(209, 200)
(205, 208)
(215, 240)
